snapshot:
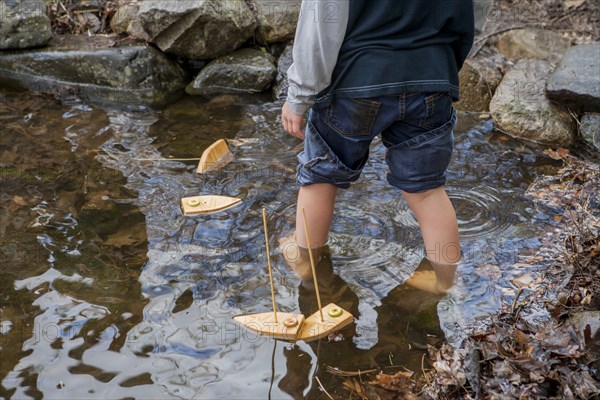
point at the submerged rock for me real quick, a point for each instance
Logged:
(520, 108)
(197, 29)
(23, 24)
(576, 80)
(276, 19)
(91, 68)
(243, 71)
(532, 43)
(280, 88)
(589, 129)
(479, 79)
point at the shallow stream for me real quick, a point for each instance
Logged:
(109, 292)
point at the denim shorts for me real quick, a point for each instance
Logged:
(416, 128)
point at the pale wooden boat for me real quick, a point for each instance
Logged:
(215, 157)
(285, 328)
(207, 204)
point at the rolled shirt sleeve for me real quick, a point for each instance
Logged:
(319, 36)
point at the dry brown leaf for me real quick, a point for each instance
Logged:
(399, 382)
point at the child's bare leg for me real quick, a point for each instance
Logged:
(318, 201)
(439, 227)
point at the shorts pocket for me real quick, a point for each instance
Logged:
(320, 164)
(437, 109)
(352, 117)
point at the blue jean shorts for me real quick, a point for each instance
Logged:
(416, 128)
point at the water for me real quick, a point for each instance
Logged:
(109, 292)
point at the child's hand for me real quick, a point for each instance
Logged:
(292, 122)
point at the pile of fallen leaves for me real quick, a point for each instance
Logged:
(515, 358)
(515, 361)
(81, 16)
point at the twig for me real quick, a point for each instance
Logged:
(339, 372)
(323, 389)
(514, 303)
(166, 159)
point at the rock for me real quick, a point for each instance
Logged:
(276, 19)
(243, 71)
(520, 108)
(127, 20)
(280, 88)
(24, 24)
(576, 80)
(532, 43)
(479, 79)
(197, 29)
(122, 17)
(90, 21)
(90, 67)
(582, 320)
(589, 129)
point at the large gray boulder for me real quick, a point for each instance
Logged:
(479, 78)
(91, 68)
(286, 59)
(23, 24)
(199, 29)
(276, 19)
(243, 71)
(589, 129)
(532, 43)
(576, 80)
(520, 108)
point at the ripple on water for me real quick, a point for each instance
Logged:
(481, 211)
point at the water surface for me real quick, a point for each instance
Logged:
(109, 292)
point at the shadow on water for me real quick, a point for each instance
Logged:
(108, 291)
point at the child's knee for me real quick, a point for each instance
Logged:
(421, 196)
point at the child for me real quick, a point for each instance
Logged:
(364, 68)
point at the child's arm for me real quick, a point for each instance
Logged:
(319, 36)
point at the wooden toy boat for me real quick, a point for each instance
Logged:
(215, 157)
(207, 204)
(289, 326)
(279, 325)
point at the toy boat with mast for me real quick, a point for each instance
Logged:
(290, 326)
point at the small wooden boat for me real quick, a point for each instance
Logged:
(289, 326)
(215, 157)
(207, 204)
(279, 325)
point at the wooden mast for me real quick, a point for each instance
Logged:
(312, 266)
(264, 214)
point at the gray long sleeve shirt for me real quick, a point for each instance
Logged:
(367, 48)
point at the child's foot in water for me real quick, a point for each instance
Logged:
(426, 279)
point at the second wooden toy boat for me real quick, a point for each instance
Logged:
(207, 204)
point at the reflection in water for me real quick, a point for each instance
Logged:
(141, 298)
